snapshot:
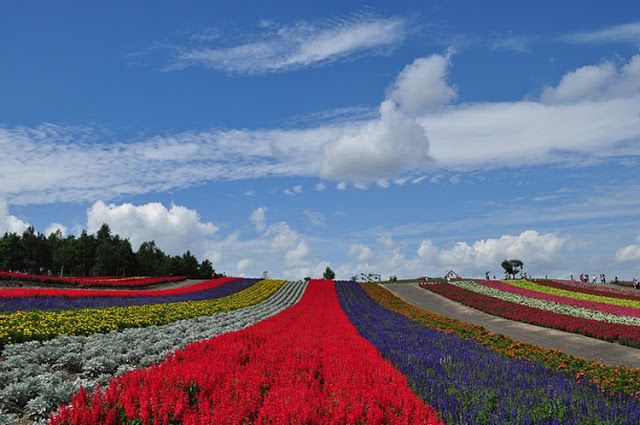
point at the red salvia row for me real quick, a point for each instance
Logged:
(91, 281)
(624, 334)
(307, 365)
(80, 293)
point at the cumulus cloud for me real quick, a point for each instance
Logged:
(10, 223)
(395, 142)
(54, 227)
(629, 252)
(278, 48)
(593, 82)
(389, 146)
(388, 257)
(422, 86)
(174, 229)
(529, 246)
(258, 218)
(587, 82)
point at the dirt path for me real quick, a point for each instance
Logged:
(578, 345)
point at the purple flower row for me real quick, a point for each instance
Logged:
(10, 305)
(471, 384)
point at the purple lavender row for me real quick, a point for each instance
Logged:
(471, 384)
(10, 305)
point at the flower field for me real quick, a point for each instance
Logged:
(26, 325)
(57, 299)
(281, 352)
(100, 281)
(597, 316)
(37, 376)
(306, 365)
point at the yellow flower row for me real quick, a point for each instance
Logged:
(576, 295)
(41, 324)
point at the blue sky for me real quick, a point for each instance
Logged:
(405, 138)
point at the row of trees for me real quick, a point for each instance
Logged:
(99, 254)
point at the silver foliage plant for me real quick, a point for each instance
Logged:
(36, 377)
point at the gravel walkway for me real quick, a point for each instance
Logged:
(578, 345)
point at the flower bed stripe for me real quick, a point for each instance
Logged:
(471, 384)
(623, 334)
(576, 295)
(216, 290)
(91, 281)
(36, 377)
(307, 365)
(546, 305)
(588, 288)
(545, 296)
(40, 325)
(80, 293)
(609, 378)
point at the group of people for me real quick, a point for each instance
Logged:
(602, 278)
(584, 278)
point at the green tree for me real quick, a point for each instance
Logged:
(512, 267)
(328, 273)
(11, 256)
(205, 269)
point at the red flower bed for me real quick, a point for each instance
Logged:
(307, 365)
(91, 281)
(589, 288)
(624, 334)
(80, 293)
(590, 305)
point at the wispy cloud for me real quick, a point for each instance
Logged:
(625, 33)
(275, 48)
(514, 43)
(576, 122)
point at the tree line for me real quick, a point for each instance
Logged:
(99, 254)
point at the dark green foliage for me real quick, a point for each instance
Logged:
(328, 273)
(102, 254)
(511, 267)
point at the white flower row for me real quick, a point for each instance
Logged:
(554, 307)
(35, 376)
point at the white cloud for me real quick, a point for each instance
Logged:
(389, 146)
(514, 43)
(628, 33)
(243, 264)
(315, 217)
(295, 190)
(285, 47)
(585, 83)
(258, 218)
(319, 187)
(383, 183)
(529, 246)
(174, 229)
(422, 86)
(629, 252)
(54, 227)
(360, 251)
(341, 186)
(10, 223)
(600, 122)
